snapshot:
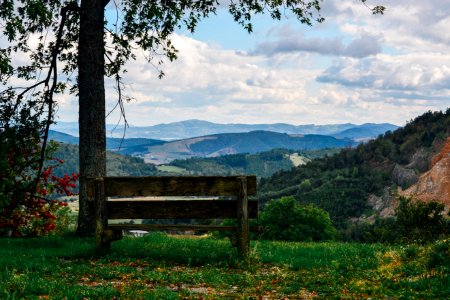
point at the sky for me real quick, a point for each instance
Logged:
(355, 67)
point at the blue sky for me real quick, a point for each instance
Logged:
(355, 67)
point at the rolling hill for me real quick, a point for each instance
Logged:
(116, 164)
(261, 164)
(365, 131)
(119, 145)
(194, 128)
(234, 143)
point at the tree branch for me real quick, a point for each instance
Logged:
(49, 92)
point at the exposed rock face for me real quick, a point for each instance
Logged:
(404, 177)
(419, 161)
(383, 205)
(435, 183)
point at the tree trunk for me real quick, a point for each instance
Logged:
(91, 68)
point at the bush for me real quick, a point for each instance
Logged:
(285, 219)
(418, 221)
(378, 231)
(26, 186)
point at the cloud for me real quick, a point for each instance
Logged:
(355, 67)
(407, 26)
(207, 81)
(424, 72)
(363, 46)
(215, 73)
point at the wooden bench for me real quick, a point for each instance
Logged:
(237, 190)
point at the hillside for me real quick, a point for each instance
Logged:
(364, 131)
(343, 184)
(262, 164)
(234, 143)
(123, 146)
(194, 128)
(116, 164)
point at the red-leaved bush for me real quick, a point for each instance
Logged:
(27, 196)
(35, 213)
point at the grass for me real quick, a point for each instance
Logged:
(171, 169)
(163, 267)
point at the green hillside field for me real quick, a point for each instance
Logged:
(158, 266)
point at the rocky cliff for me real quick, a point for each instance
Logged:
(435, 183)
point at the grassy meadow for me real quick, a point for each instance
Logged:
(159, 266)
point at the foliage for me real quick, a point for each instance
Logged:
(414, 222)
(117, 164)
(379, 230)
(284, 219)
(418, 221)
(262, 164)
(158, 266)
(26, 188)
(24, 212)
(341, 183)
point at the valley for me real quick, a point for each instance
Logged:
(356, 183)
(163, 143)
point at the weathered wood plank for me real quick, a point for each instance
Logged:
(177, 209)
(177, 227)
(175, 186)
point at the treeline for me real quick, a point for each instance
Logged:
(263, 164)
(341, 183)
(116, 164)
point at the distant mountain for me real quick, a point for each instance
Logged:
(123, 146)
(72, 129)
(194, 128)
(62, 137)
(234, 143)
(365, 131)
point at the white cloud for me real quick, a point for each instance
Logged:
(353, 68)
(362, 46)
(420, 72)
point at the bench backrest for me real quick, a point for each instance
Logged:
(202, 186)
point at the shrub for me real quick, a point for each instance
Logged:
(287, 220)
(380, 230)
(418, 221)
(26, 189)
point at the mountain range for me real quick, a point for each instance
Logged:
(195, 128)
(235, 143)
(243, 140)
